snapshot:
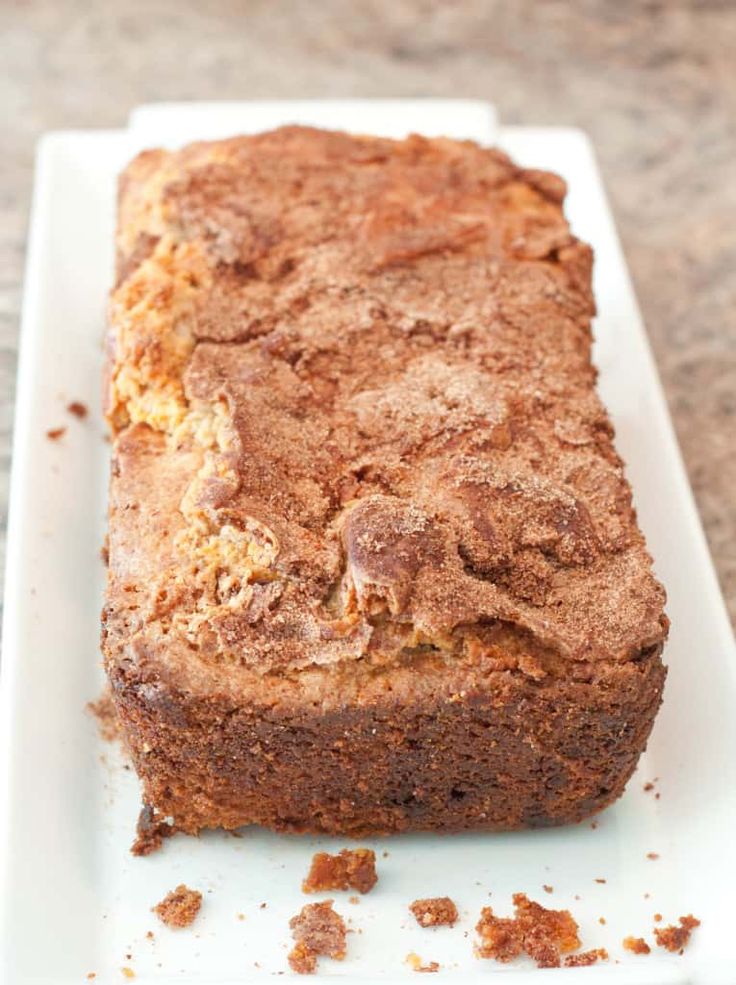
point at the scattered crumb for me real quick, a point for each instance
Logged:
(657, 917)
(263, 906)
(149, 935)
(128, 972)
(501, 937)
(637, 945)
(385, 854)
(353, 868)
(438, 911)
(180, 907)
(543, 934)
(657, 795)
(416, 964)
(150, 830)
(548, 889)
(648, 787)
(586, 958)
(353, 900)
(53, 434)
(676, 938)
(241, 916)
(577, 897)
(91, 975)
(653, 855)
(594, 825)
(599, 880)
(647, 895)
(602, 920)
(78, 409)
(317, 929)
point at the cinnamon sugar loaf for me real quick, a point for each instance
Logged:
(374, 564)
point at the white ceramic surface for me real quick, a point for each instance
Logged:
(73, 901)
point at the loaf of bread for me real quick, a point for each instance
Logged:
(373, 561)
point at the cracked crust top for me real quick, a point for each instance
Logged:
(355, 413)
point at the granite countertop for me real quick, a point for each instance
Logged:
(652, 81)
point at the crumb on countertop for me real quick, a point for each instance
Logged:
(107, 719)
(180, 907)
(78, 409)
(548, 889)
(127, 972)
(353, 868)
(637, 945)
(317, 929)
(599, 880)
(675, 938)
(416, 963)
(653, 855)
(437, 911)
(586, 958)
(657, 917)
(53, 434)
(542, 933)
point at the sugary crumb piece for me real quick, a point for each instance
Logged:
(648, 787)
(434, 912)
(128, 972)
(150, 830)
(602, 920)
(676, 938)
(548, 889)
(302, 959)
(353, 868)
(586, 958)
(500, 937)
(179, 907)
(637, 945)
(263, 906)
(657, 917)
(320, 931)
(652, 855)
(149, 935)
(543, 934)
(416, 963)
(599, 880)
(53, 434)
(78, 409)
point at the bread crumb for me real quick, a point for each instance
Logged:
(648, 787)
(593, 825)
(543, 934)
(78, 409)
(602, 921)
(416, 963)
(657, 917)
(128, 972)
(586, 958)
(241, 916)
(548, 889)
(317, 929)
(353, 868)
(674, 938)
(149, 935)
(637, 945)
(180, 907)
(437, 911)
(107, 719)
(599, 880)
(353, 899)
(653, 855)
(263, 906)
(91, 975)
(53, 434)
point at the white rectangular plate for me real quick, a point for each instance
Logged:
(74, 901)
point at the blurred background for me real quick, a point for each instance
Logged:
(652, 81)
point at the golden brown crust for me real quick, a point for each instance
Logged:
(360, 462)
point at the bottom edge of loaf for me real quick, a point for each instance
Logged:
(513, 753)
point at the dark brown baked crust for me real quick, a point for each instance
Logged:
(373, 560)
